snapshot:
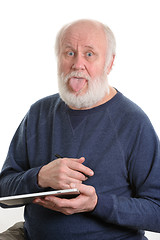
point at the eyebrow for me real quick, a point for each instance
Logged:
(70, 46)
(88, 46)
(67, 46)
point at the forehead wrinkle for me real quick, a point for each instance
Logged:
(80, 29)
(70, 38)
(77, 46)
(91, 38)
(89, 46)
(76, 43)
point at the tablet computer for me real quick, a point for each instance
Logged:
(28, 198)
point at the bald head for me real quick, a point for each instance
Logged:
(92, 26)
(83, 25)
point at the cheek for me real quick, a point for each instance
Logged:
(96, 71)
(64, 66)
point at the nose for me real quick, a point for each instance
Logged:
(78, 63)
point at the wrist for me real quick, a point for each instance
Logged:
(40, 178)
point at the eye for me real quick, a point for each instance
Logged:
(70, 53)
(89, 54)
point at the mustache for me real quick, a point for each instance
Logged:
(75, 74)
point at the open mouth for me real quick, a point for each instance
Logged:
(77, 84)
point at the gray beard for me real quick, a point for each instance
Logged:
(97, 89)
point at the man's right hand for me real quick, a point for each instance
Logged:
(60, 173)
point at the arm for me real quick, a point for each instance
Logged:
(142, 209)
(16, 176)
(139, 211)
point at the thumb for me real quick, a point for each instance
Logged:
(84, 189)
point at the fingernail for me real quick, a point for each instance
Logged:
(91, 172)
(47, 198)
(73, 185)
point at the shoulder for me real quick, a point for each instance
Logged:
(48, 100)
(45, 108)
(46, 104)
(132, 126)
(127, 110)
(128, 118)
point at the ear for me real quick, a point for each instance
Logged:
(109, 67)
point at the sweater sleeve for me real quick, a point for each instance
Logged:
(28, 150)
(142, 210)
(16, 176)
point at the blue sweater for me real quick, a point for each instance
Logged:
(119, 144)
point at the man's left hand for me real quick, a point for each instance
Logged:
(85, 202)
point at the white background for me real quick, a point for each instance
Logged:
(28, 65)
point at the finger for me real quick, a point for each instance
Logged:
(48, 201)
(66, 185)
(80, 168)
(76, 164)
(79, 160)
(58, 203)
(76, 175)
(39, 200)
(64, 206)
(45, 203)
(84, 189)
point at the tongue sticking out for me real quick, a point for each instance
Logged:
(77, 84)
